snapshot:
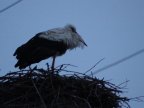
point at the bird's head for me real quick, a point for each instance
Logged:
(75, 34)
(71, 28)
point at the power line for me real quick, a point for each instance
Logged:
(11, 5)
(119, 61)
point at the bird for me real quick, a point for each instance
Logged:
(48, 44)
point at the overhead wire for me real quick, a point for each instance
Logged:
(10, 6)
(119, 61)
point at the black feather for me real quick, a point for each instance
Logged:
(37, 49)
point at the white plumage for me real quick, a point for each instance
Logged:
(67, 34)
(50, 43)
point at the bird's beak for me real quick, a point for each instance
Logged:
(82, 40)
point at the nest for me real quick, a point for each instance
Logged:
(39, 88)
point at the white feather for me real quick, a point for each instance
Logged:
(71, 39)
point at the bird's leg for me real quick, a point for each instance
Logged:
(53, 63)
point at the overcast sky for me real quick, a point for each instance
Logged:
(112, 29)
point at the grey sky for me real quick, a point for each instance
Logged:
(112, 29)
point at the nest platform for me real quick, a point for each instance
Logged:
(39, 88)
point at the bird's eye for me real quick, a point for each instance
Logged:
(73, 29)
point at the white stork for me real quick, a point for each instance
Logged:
(50, 43)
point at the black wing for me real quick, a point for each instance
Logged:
(37, 49)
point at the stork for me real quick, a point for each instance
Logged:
(51, 43)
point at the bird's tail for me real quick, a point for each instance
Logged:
(21, 64)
